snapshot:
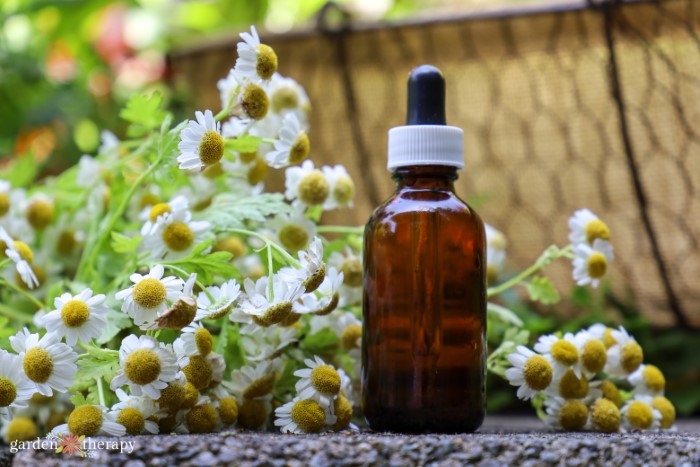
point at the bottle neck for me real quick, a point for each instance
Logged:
(425, 177)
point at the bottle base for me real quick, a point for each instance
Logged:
(425, 421)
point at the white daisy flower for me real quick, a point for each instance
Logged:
(320, 382)
(39, 211)
(182, 312)
(306, 185)
(286, 95)
(228, 89)
(604, 333)
(152, 213)
(496, 244)
(640, 414)
(647, 380)
(201, 143)
(591, 263)
(133, 413)
(5, 197)
(532, 372)
(349, 264)
(267, 343)
(255, 60)
(568, 385)
(194, 340)
(174, 235)
(202, 188)
(342, 188)
(252, 382)
(312, 270)
(221, 303)
(303, 416)
(625, 356)
(15, 387)
(89, 420)
(294, 230)
(566, 414)
(565, 353)
(79, 318)
(49, 363)
(20, 254)
(148, 297)
(293, 145)
(146, 366)
(586, 227)
(329, 292)
(593, 352)
(267, 305)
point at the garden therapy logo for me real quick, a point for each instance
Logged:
(73, 445)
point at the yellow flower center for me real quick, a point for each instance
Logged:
(300, 149)
(85, 420)
(38, 365)
(597, 229)
(142, 366)
(191, 396)
(211, 147)
(564, 352)
(266, 64)
(332, 305)
(260, 387)
(38, 398)
(248, 157)
(201, 419)
(274, 314)
(571, 387)
(654, 378)
(573, 415)
(40, 214)
(293, 237)
(8, 391)
(75, 313)
(344, 190)
(349, 337)
(284, 98)
(498, 241)
(21, 429)
(594, 356)
(252, 414)
(631, 356)
(640, 415)
(66, 242)
(149, 293)
(308, 415)
(4, 204)
(203, 341)
(214, 170)
(316, 279)
(172, 397)
(611, 392)
(233, 245)
(597, 265)
(352, 271)
(178, 236)
(258, 171)
(537, 372)
(167, 424)
(24, 251)
(148, 199)
(291, 319)
(608, 338)
(325, 379)
(255, 101)
(314, 188)
(228, 410)
(198, 372)
(132, 420)
(605, 416)
(158, 210)
(492, 273)
(667, 410)
(342, 408)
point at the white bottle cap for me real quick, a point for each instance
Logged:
(426, 145)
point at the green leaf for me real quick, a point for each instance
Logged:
(206, 265)
(22, 171)
(123, 244)
(229, 211)
(502, 314)
(98, 363)
(144, 113)
(541, 289)
(322, 342)
(244, 143)
(78, 399)
(116, 321)
(233, 353)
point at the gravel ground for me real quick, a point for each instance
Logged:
(502, 441)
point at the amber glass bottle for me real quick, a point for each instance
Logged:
(424, 305)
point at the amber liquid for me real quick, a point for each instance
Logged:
(424, 307)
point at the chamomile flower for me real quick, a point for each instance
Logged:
(228, 410)
(152, 212)
(303, 416)
(194, 340)
(221, 303)
(319, 381)
(201, 143)
(201, 370)
(328, 292)
(591, 262)
(269, 305)
(293, 230)
(603, 333)
(255, 60)
(251, 105)
(496, 244)
(586, 227)
(19, 429)
(147, 366)
(89, 170)
(306, 185)
(312, 269)
(252, 382)
(202, 418)
(133, 414)
(531, 372)
(90, 420)
(625, 356)
(268, 343)
(182, 312)
(253, 413)
(79, 318)
(640, 414)
(20, 254)
(593, 352)
(286, 95)
(293, 145)
(5, 197)
(666, 409)
(174, 235)
(604, 416)
(564, 352)
(342, 188)
(568, 385)
(39, 211)
(609, 391)
(566, 414)
(148, 297)
(15, 387)
(349, 264)
(647, 380)
(49, 363)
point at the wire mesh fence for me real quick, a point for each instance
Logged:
(585, 104)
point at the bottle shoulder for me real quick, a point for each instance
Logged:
(408, 201)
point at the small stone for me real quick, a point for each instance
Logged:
(134, 463)
(205, 459)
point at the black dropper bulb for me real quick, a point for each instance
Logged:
(426, 97)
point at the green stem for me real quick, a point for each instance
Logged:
(14, 314)
(270, 274)
(341, 229)
(185, 275)
(289, 258)
(100, 391)
(26, 294)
